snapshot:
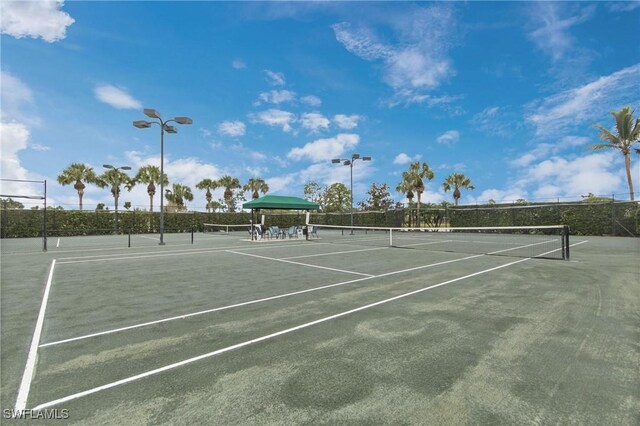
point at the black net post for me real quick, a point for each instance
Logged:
(565, 243)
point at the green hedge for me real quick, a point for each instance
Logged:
(620, 218)
(28, 223)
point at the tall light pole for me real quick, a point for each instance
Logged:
(116, 186)
(349, 162)
(164, 126)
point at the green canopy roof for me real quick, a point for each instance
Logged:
(281, 202)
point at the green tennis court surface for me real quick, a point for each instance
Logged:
(226, 330)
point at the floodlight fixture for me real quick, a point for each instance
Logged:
(141, 124)
(347, 162)
(336, 161)
(366, 158)
(183, 120)
(150, 112)
(355, 156)
(108, 166)
(164, 127)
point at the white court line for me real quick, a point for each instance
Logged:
(85, 259)
(333, 253)
(259, 339)
(302, 264)
(251, 302)
(150, 238)
(58, 243)
(25, 384)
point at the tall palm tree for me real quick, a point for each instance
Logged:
(115, 178)
(77, 174)
(416, 174)
(405, 187)
(209, 185)
(151, 176)
(229, 183)
(255, 185)
(178, 194)
(627, 134)
(457, 181)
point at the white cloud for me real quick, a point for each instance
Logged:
(495, 121)
(623, 6)
(417, 62)
(325, 149)
(232, 128)
(15, 138)
(248, 153)
(499, 195)
(311, 100)
(543, 150)
(36, 19)
(15, 98)
(275, 78)
(403, 158)
(314, 121)
(238, 64)
(116, 97)
(587, 104)
(276, 96)
(346, 121)
(552, 35)
(40, 148)
(275, 117)
(449, 137)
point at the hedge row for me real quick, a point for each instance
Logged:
(29, 223)
(619, 218)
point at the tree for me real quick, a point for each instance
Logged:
(127, 205)
(416, 174)
(379, 198)
(115, 178)
(406, 187)
(8, 203)
(100, 206)
(209, 185)
(77, 174)
(313, 192)
(457, 181)
(178, 194)
(337, 198)
(151, 176)
(229, 183)
(254, 185)
(214, 206)
(627, 134)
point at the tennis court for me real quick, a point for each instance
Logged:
(338, 329)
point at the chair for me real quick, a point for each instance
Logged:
(258, 232)
(292, 232)
(314, 231)
(274, 231)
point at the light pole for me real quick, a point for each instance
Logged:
(116, 186)
(164, 126)
(349, 162)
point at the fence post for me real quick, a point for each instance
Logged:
(613, 214)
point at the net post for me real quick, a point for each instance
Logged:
(129, 244)
(192, 235)
(565, 242)
(390, 237)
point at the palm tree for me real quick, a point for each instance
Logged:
(255, 185)
(406, 187)
(77, 174)
(115, 178)
(229, 183)
(627, 134)
(178, 194)
(417, 172)
(209, 185)
(151, 176)
(457, 181)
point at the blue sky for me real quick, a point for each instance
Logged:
(506, 93)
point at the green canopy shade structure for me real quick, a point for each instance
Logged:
(278, 202)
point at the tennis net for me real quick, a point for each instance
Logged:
(222, 229)
(551, 242)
